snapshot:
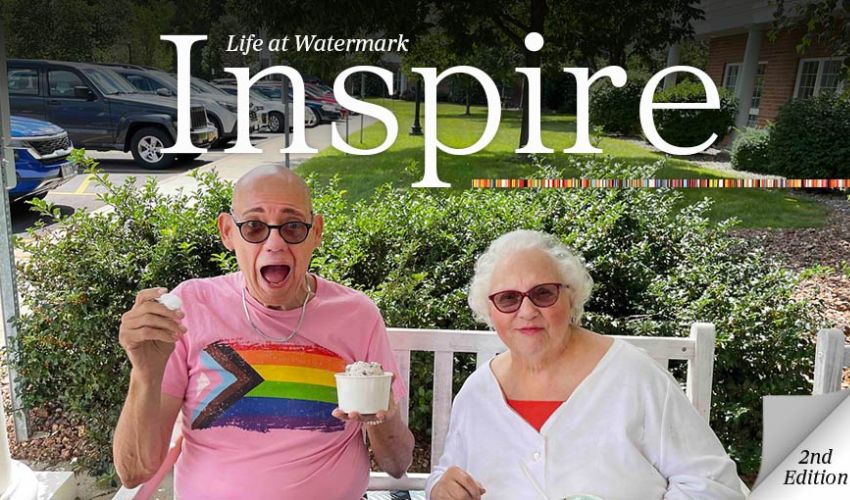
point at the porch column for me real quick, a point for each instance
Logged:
(747, 76)
(672, 60)
(16, 479)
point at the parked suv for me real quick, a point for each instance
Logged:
(41, 158)
(102, 111)
(221, 108)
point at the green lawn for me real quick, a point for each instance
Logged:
(402, 164)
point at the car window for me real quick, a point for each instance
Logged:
(206, 88)
(61, 83)
(270, 92)
(257, 95)
(23, 81)
(108, 81)
(141, 83)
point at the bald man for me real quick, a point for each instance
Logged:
(249, 359)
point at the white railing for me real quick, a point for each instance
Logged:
(831, 357)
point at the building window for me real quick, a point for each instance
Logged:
(731, 79)
(752, 119)
(816, 76)
(730, 76)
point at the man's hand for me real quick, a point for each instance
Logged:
(148, 332)
(457, 484)
(378, 418)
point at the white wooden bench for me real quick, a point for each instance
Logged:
(697, 350)
(831, 357)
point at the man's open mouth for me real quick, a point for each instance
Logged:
(275, 274)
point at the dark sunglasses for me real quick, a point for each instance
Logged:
(543, 295)
(257, 231)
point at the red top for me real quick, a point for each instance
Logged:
(535, 413)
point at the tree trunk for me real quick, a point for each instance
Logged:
(468, 91)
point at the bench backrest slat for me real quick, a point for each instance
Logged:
(831, 357)
(402, 358)
(442, 402)
(482, 357)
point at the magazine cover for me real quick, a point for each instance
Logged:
(537, 249)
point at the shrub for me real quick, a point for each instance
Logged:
(691, 127)
(750, 150)
(617, 108)
(79, 279)
(811, 138)
(656, 270)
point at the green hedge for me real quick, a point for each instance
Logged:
(750, 150)
(811, 138)
(616, 109)
(691, 127)
(656, 270)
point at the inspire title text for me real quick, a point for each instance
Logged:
(430, 80)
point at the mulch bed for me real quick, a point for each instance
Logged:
(828, 246)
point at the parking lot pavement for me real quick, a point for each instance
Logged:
(81, 191)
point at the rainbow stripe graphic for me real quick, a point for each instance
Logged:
(259, 387)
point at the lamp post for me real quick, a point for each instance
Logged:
(416, 129)
(287, 108)
(362, 96)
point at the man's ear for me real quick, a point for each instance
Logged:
(318, 228)
(226, 229)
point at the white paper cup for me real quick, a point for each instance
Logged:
(366, 395)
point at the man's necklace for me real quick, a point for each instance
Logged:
(300, 318)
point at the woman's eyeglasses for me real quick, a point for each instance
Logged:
(543, 295)
(257, 231)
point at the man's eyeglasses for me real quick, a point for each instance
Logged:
(257, 231)
(543, 295)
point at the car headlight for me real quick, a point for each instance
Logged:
(18, 144)
(230, 107)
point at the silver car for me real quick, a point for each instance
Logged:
(221, 107)
(276, 110)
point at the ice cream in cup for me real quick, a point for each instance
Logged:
(364, 387)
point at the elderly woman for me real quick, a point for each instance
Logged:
(566, 411)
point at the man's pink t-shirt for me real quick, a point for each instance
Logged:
(256, 416)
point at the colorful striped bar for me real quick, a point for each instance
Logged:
(575, 183)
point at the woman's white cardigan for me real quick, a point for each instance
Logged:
(627, 432)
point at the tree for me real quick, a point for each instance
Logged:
(74, 30)
(584, 31)
(150, 20)
(827, 22)
(496, 61)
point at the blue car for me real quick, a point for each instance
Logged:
(41, 157)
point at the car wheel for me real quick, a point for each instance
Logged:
(310, 118)
(147, 145)
(276, 121)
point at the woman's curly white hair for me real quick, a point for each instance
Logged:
(572, 269)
